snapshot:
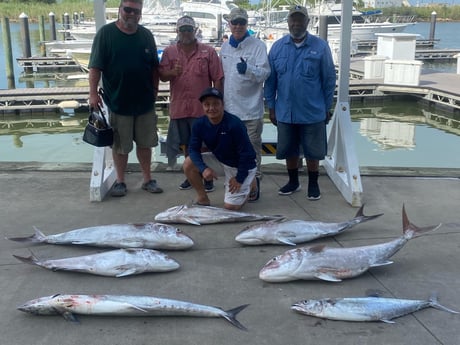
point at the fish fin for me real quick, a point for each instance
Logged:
(37, 237)
(387, 321)
(435, 304)
(191, 221)
(283, 237)
(382, 263)
(70, 316)
(125, 272)
(327, 277)
(230, 315)
(317, 248)
(137, 308)
(411, 230)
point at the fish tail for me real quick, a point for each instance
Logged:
(411, 230)
(360, 217)
(230, 315)
(31, 260)
(435, 304)
(38, 237)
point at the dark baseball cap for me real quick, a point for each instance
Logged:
(211, 92)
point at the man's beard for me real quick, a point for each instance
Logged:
(298, 35)
(129, 24)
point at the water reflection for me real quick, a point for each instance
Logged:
(402, 133)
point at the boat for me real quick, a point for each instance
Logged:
(208, 15)
(364, 24)
(364, 27)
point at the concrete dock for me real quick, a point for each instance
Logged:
(220, 272)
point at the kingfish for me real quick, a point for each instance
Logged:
(198, 215)
(106, 305)
(143, 235)
(114, 263)
(291, 232)
(335, 264)
(365, 308)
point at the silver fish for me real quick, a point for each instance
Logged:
(142, 235)
(291, 232)
(198, 215)
(365, 308)
(69, 305)
(114, 263)
(335, 264)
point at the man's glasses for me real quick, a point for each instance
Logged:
(130, 10)
(238, 22)
(186, 29)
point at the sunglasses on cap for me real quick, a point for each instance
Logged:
(186, 28)
(130, 10)
(239, 22)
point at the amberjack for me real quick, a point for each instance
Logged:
(292, 232)
(140, 235)
(335, 264)
(113, 263)
(198, 215)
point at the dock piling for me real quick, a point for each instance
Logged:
(52, 19)
(41, 29)
(432, 25)
(8, 53)
(25, 39)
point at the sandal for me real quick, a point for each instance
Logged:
(255, 193)
(119, 189)
(152, 187)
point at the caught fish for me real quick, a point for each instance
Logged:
(292, 232)
(198, 215)
(142, 235)
(335, 264)
(105, 305)
(114, 263)
(365, 308)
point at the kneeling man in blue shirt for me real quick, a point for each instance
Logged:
(219, 146)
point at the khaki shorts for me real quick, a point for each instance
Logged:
(224, 170)
(142, 129)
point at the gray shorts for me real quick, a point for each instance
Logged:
(310, 138)
(142, 129)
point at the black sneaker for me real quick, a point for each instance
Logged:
(185, 185)
(119, 189)
(209, 186)
(313, 191)
(289, 188)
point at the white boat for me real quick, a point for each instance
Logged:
(208, 15)
(364, 24)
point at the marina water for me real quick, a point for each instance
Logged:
(387, 133)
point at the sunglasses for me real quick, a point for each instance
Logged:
(238, 22)
(186, 29)
(130, 10)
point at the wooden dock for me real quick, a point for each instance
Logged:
(52, 99)
(41, 64)
(435, 88)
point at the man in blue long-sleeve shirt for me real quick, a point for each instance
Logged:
(231, 153)
(299, 94)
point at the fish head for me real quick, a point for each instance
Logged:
(171, 215)
(170, 237)
(40, 306)
(309, 307)
(252, 235)
(282, 267)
